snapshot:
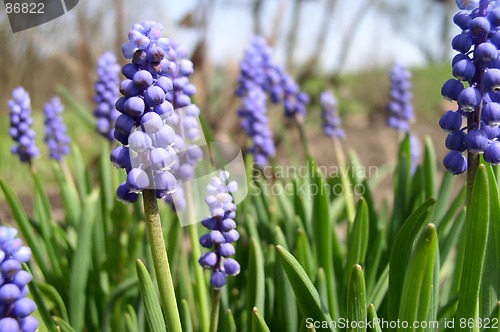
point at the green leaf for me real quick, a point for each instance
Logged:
(372, 317)
(256, 279)
(258, 323)
(357, 241)
(285, 307)
(418, 283)
(43, 211)
(81, 264)
(39, 300)
(429, 169)
(356, 298)
(307, 296)
(230, 323)
(476, 235)
(323, 234)
(152, 306)
(490, 284)
(305, 255)
(69, 195)
(25, 228)
(379, 291)
(51, 293)
(401, 252)
(63, 325)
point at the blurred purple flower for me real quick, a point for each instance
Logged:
(106, 94)
(56, 136)
(331, 119)
(20, 126)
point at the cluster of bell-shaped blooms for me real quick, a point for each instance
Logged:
(184, 120)
(20, 126)
(147, 152)
(106, 94)
(400, 107)
(56, 135)
(222, 230)
(329, 113)
(15, 308)
(476, 64)
(260, 77)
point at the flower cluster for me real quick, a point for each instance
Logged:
(184, 120)
(106, 94)
(400, 107)
(260, 77)
(147, 153)
(15, 307)
(477, 63)
(20, 125)
(255, 122)
(223, 230)
(56, 136)
(331, 119)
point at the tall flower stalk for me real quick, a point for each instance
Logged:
(332, 128)
(56, 136)
(479, 104)
(222, 233)
(147, 154)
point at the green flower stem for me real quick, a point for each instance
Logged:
(214, 313)
(344, 177)
(196, 253)
(160, 261)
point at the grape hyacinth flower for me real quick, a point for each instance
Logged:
(106, 94)
(147, 153)
(223, 231)
(400, 107)
(477, 63)
(20, 126)
(184, 120)
(56, 136)
(331, 118)
(15, 307)
(254, 121)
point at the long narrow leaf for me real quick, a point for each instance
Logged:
(152, 306)
(307, 296)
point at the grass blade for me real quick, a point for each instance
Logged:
(81, 264)
(401, 252)
(152, 306)
(356, 298)
(418, 283)
(256, 279)
(258, 323)
(305, 292)
(476, 234)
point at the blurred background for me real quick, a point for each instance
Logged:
(345, 46)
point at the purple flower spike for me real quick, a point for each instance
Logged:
(477, 63)
(331, 119)
(15, 308)
(400, 107)
(20, 126)
(56, 136)
(223, 232)
(153, 129)
(106, 94)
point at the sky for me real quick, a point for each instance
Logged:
(378, 42)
